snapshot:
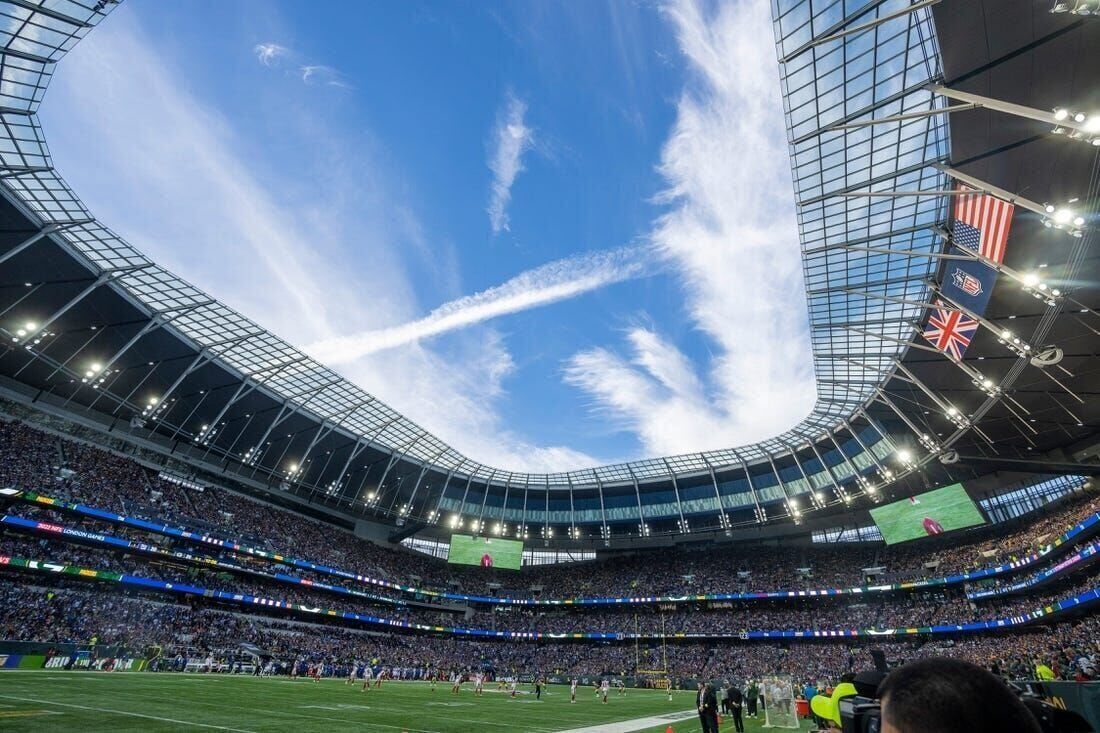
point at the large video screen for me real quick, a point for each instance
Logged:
(930, 513)
(488, 552)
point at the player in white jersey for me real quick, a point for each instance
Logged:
(353, 673)
(668, 688)
(368, 677)
(456, 682)
(479, 680)
(605, 687)
(512, 687)
(573, 690)
(620, 687)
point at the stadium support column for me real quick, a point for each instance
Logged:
(396, 458)
(572, 509)
(761, 517)
(676, 492)
(435, 516)
(840, 492)
(723, 519)
(604, 529)
(484, 502)
(919, 434)
(643, 529)
(814, 501)
(883, 433)
(546, 511)
(466, 493)
(870, 454)
(361, 444)
(283, 414)
(247, 386)
(416, 486)
(521, 532)
(102, 279)
(847, 461)
(204, 357)
(504, 506)
(366, 474)
(159, 320)
(792, 509)
(328, 429)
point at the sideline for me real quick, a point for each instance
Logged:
(627, 726)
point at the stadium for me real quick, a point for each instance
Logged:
(206, 526)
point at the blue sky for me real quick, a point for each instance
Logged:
(556, 233)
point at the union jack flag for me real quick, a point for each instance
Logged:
(950, 331)
(981, 223)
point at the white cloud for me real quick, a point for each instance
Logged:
(549, 283)
(268, 54)
(731, 235)
(511, 139)
(274, 56)
(173, 176)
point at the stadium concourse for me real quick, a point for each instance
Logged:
(201, 526)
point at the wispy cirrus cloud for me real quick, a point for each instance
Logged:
(511, 138)
(732, 238)
(543, 285)
(275, 56)
(269, 54)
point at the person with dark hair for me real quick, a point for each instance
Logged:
(950, 696)
(752, 699)
(737, 701)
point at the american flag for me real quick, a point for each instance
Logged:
(950, 331)
(981, 223)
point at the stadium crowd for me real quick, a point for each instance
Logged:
(33, 460)
(941, 606)
(65, 613)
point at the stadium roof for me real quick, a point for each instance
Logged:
(865, 88)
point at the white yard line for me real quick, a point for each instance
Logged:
(124, 712)
(627, 726)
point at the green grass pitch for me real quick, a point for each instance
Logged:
(44, 700)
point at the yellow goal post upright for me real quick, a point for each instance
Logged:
(659, 677)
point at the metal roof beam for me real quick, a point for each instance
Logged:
(863, 28)
(48, 12)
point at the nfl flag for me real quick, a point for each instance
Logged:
(969, 283)
(949, 330)
(981, 224)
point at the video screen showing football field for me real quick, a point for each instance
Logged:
(487, 552)
(930, 513)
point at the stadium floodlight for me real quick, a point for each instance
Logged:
(904, 456)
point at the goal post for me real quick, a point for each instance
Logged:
(779, 705)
